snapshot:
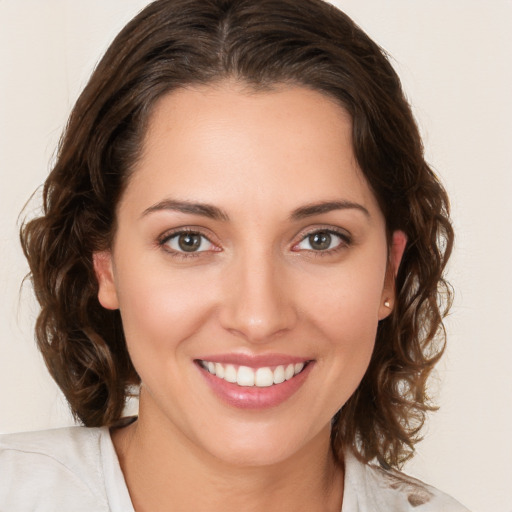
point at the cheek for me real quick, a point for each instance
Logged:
(348, 300)
(344, 314)
(160, 307)
(341, 320)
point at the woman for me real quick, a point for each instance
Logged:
(240, 220)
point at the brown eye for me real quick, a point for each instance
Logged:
(323, 240)
(189, 242)
(320, 241)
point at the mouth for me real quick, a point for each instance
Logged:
(255, 382)
(245, 376)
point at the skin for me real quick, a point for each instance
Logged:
(256, 286)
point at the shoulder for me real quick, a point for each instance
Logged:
(388, 489)
(53, 468)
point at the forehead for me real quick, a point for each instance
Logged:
(289, 144)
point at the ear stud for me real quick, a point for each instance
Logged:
(387, 304)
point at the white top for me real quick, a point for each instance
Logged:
(76, 469)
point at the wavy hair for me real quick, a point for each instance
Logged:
(175, 43)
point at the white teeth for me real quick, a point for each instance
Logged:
(230, 373)
(249, 377)
(279, 375)
(264, 377)
(219, 370)
(245, 376)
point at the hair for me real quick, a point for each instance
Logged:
(261, 43)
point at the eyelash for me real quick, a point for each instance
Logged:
(345, 241)
(163, 241)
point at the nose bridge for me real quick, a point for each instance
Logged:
(258, 303)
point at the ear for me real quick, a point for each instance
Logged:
(107, 293)
(396, 251)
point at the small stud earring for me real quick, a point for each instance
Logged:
(387, 304)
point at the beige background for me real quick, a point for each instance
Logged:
(454, 57)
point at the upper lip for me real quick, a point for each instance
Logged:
(254, 361)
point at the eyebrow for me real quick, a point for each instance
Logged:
(215, 213)
(206, 210)
(326, 207)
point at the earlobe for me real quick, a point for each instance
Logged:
(107, 293)
(396, 252)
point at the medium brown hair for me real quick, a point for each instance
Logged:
(175, 43)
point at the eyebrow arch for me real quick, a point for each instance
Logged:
(206, 210)
(325, 207)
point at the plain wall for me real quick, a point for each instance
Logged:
(454, 58)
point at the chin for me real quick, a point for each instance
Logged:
(263, 445)
(254, 454)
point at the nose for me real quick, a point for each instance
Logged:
(258, 301)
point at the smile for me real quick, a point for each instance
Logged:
(246, 376)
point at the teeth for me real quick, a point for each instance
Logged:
(230, 373)
(219, 370)
(245, 376)
(279, 375)
(248, 377)
(264, 377)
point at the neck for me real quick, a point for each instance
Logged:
(165, 471)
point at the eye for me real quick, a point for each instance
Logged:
(188, 242)
(322, 241)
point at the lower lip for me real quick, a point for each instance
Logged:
(254, 397)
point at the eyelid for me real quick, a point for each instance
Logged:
(163, 239)
(345, 236)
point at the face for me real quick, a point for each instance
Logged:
(251, 266)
